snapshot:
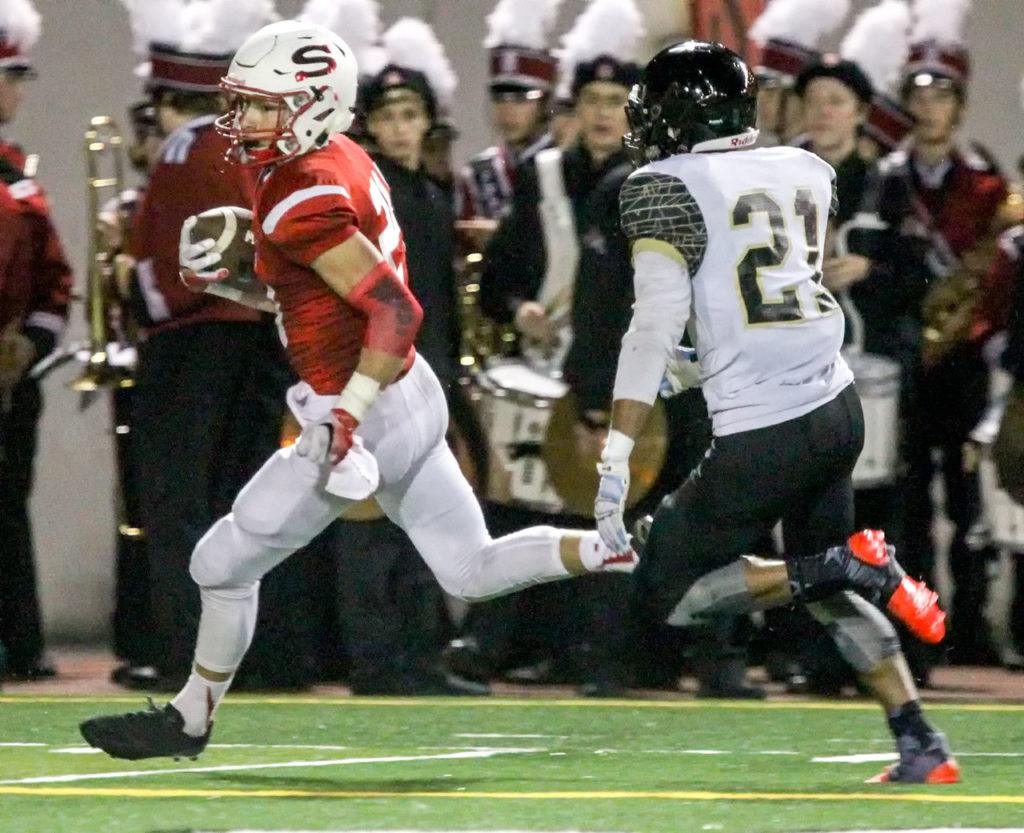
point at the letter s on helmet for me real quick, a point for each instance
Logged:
(305, 71)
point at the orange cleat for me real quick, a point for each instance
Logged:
(933, 764)
(948, 772)
(917, 606)
(912, 602)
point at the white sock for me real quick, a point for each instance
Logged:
(226, 626)
(198, 702)
(593, 552)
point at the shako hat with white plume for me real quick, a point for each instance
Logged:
(603, 45)
(190, 44)
(520, 63)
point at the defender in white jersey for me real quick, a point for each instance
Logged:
(727, 245)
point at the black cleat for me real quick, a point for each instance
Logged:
(152, 733)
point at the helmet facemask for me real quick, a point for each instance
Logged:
(258, 146)
(635, 141)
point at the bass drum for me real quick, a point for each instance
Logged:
(534, 458)
(573, 465)
(878, 385)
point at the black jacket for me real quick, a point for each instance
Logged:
(603, 301)
(516, 257)
(427, 220)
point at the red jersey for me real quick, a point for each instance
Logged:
(36, 281)
(191, 176)
(305, 207)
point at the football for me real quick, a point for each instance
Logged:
(231, 229)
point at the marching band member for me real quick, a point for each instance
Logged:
(401, 104)
(939, 203)
(529, 278)
(787, 34)
(532, 260)
(835, 95)
(35, 283)
(878, 43)
(522, 78)
(391, 605)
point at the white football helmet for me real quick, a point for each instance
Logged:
(303, 71)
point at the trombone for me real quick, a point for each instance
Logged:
(104, 154)
(106, 312)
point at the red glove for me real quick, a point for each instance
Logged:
(343, 425)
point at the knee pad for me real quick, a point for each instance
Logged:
(225, 555)
(862, 633)
(722, 592)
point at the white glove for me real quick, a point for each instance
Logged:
(681, 373)
(356, 477)
(610, 503)
(198, 257)
(314, 442)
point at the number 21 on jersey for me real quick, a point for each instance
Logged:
(391, 236)
(759, 261)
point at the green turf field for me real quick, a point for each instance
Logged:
(446, 764)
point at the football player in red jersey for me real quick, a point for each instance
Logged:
(373, 414)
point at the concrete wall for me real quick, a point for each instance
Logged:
(86, 69)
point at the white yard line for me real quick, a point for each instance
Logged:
(883, 757)
(82, 749)
(500, 735)
(142, 773)
(866, 758)
(75, 750)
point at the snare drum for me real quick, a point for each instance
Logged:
(878, 385)
(515, 404)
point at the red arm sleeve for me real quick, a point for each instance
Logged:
(393, 315)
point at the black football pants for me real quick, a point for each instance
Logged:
(797, 472)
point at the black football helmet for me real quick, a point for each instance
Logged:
(694, 96)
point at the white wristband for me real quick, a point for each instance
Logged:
(618, 446)
(358, 395)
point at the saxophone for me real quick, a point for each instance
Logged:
(949, 304)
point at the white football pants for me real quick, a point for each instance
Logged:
(284, 506)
